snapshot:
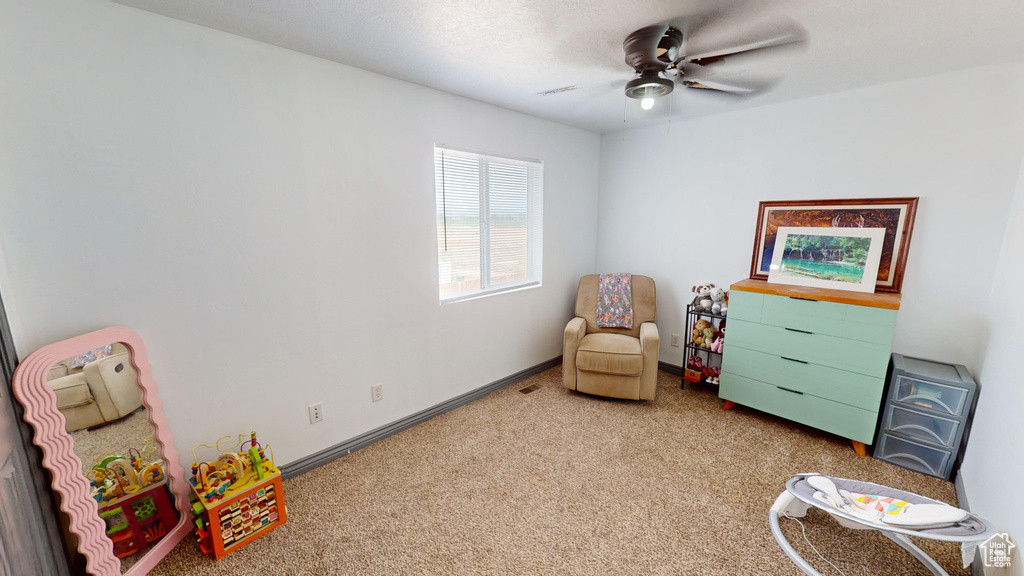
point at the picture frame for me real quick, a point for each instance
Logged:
(836, 258)
(896, 215)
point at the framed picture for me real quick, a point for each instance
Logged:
(895, 215)
(838, 258)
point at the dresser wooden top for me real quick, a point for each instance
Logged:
(876, 299)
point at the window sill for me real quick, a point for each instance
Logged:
(492, 292)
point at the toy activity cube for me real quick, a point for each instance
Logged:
(236, 499)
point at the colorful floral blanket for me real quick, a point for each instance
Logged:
(615, 301)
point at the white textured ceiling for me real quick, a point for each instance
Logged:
(506, 52)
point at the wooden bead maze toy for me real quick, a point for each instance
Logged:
(236, 498)
(133, 500)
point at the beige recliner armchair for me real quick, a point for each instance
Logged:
(615, 362)
(99, 392)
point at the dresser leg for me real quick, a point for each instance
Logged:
(858, 447)
(729, 404)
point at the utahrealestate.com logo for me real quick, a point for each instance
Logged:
(996, 551)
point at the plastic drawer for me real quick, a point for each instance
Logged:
(914, 456)
(930, 395)
(919, 426)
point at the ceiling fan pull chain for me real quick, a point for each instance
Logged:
(671, 102)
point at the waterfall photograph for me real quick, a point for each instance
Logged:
(838, 258)
(841, 258)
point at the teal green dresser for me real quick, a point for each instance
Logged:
(811, 355)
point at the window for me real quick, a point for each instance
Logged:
(489, 216)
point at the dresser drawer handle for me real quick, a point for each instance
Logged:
(788, 390)
(800, 331)
(804, 299)
(793, 360)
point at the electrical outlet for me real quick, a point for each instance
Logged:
(377, 392)
(316, 413)
(675, 340)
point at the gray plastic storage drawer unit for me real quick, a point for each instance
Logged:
(927, 416)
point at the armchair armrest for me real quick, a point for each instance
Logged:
(650, 342)
(575, 330)
(649, 338)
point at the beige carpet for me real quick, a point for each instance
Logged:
(556, 482)
(118, 437)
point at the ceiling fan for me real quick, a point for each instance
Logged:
(687, 51)
(663, 56)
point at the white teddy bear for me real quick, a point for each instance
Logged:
(718, 305)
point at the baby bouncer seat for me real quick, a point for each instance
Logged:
(866, 506)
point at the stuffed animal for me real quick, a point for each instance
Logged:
(718, 305)
(711, 376)
(702, 301)
(717, 344)
(693, 370)
(703, 333)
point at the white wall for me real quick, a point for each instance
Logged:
(264, 219)
(681, 205)
(994, 462)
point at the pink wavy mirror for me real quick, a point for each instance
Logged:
(93, 406)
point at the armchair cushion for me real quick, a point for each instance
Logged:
(610, 354)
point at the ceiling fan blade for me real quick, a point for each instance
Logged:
(778, 33)
(742, 82)
(702, 86)
(747, 87)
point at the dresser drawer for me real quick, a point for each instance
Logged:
(847, 421)
(745, 305)
(842, 320)
(912, 455)
(941, 398)
(852, 355)
(842, 386)
(918, 426)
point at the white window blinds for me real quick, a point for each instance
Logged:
(489, 223)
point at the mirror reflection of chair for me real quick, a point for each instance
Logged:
(95, 387)
(613, 362)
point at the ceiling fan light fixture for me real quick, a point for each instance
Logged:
(648, 86)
